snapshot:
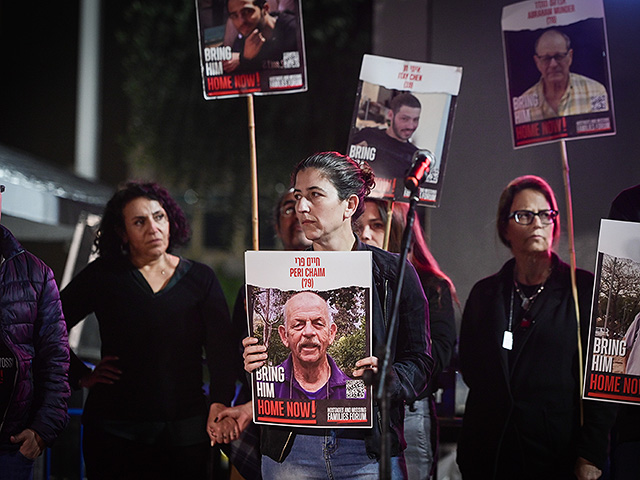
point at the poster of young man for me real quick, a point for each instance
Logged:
(612, 369)
(251, 47)
(312, 310)
(557, 70)
(403, 107)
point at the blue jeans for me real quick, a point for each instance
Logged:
(327, 457)
(417, 432)
(15, 466)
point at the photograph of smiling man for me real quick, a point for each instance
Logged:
(403, 107)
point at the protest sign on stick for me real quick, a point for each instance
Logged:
(403, 107)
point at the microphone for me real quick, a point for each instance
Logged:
(420, 166)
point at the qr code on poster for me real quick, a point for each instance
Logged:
(356, 389)
(290, 60)
(599, 103)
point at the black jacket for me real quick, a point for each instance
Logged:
(523, 409)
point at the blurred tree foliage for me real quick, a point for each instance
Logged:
(203, 145)
(618, 295)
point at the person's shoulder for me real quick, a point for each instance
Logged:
(631, 192)
(586, 82)
(340, 376)
(626, 205)
(285, 18)
(197, 268)
(106, 264)
(432, 283)
(369, 132)
(410, 147)
(8, 243)
(380, 256)
(492, 281)
(584, 278)
(35, 268)
(533, 89)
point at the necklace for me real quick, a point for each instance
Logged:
(526, 302)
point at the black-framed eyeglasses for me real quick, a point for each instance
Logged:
(525, 217)
(558, 57)
(1, 188)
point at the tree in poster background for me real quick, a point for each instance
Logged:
(618, 295)
(265, 312)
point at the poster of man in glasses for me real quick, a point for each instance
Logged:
(557, 70)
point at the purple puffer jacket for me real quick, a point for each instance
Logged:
(32, 325)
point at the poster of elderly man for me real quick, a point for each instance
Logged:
(557, 70)
(314, 320)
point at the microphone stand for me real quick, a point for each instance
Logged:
(382, 390)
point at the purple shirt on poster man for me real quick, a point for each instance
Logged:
(334, 389)
(307, 331)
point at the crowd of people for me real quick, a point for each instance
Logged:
(147, 413)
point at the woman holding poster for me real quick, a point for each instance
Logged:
(329, 189)
(519, 356)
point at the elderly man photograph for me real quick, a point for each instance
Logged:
(559, 92)
(308, 331)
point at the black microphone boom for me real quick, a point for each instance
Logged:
(420, 166)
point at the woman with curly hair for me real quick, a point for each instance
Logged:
(145, 415)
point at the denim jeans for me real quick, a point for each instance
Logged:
(15, 466)
(327, 457)
(417, 432)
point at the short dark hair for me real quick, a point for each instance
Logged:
(404, 100)
(506, 200)
(108, 242)
(257, 3)
(346, 175)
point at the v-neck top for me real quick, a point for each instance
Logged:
(182, 268)
(158, 338)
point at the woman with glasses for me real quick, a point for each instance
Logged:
(519, 355)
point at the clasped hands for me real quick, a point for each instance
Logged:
(225, 424)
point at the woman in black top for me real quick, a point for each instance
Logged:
(146, 411)
(519, 356)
